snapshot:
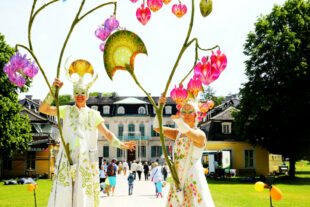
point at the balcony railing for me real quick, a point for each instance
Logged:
(133, 138)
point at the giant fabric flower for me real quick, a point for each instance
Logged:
(206, 72)
(143, 14)
(155, 5)
(219, 60)
(111, 23)
(179, 95)
(18, 68)
(179, 10)
(102, 33)
(194, 86)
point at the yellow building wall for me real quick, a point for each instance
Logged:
(261, 159)
(42, 162)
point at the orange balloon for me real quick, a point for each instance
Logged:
(35, 186)
(30, 187)
(275, 193)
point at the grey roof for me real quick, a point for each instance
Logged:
(225, 115)
(130, 100)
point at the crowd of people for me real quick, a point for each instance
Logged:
(151, 170)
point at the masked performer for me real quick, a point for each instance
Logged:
(77, 185)
(190, 142)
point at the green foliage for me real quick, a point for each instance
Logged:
(209, 94)
(15, 131)
(276, 98)
(103, 94)
(63, 100)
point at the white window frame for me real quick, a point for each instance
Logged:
(254, 159)
(141, 110)
(168, 109)
(106, 109)
(94, 107)
(226, 128)
(120, 110)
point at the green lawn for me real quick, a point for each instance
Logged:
(296, 193)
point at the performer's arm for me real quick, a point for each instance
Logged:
(113, 140)
(45, 106)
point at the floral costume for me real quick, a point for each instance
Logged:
(80, 131)
(195, 191)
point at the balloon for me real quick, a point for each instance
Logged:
(30, 187)
(259, 186)
(275, 193)
(206, 171)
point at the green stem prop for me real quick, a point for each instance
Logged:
(76, 20)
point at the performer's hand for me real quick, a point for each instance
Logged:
(58, 83)
(129, 145)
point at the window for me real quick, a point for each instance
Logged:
(154, 133)
(105, 151)
(142, 151)
(156, 151)
(168, 109)
(226, 128)
(31, 160)
(141, 129)
(249, 158)
(169, 125)
(7, 163)
(121, 110)
(107, 126)
(106, 109)
(120, 130)
(119, 152)
(131, 130)
(94, 107)
(141, 110)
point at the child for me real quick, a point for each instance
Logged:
(102, 176)
(159, 188)
(131, 179)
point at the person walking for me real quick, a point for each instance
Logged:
(139, 169)
(146, 170)
(102, 176)
(159, 188)
(125, 167)
(164, 171)
(155, 175)
(111, 172)
(120, 168)
(131, 179)
(134, 168)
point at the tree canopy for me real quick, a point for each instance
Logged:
(15, 131)
(209, 94)
(274, 105)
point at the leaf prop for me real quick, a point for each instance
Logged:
(120, 51)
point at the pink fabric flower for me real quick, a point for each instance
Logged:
(210, 104)
(133, 1)
(143, 14)
(31, 70)
(111, 23)
(179, 95)
(101, 47)
(194, 86)
(206, 72)
(155, 5)
(166, 1)
(219, 60)
(102, 33)
(179, 10)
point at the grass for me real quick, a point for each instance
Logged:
(231, 193)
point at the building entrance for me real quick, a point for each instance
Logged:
(131, 155)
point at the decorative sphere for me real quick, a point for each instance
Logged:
(259, 186)
(275, 193)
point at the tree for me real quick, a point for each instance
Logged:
(15, 131)
(209, 94)
(276, 98)
(63, 100)
(103, 94)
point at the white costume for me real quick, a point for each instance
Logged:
(80, 131)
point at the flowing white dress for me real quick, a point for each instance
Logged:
(80, 131)
(195, 191)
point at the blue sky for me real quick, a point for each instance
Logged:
(227, 26)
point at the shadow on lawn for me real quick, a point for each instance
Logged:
(278, 180)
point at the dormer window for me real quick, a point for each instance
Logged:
(141, 110)
(106, 109)
(94, 107)
(121, 110)
(168, 109)
(226, 128)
